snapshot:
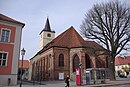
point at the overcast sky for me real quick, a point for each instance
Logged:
(62, 14)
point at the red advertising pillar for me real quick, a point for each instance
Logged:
(78, 76)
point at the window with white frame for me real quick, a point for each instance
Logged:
(5, 35)
(3, 59)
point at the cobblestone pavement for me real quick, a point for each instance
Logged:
(121, 86)
(118, 83)
(72, 84)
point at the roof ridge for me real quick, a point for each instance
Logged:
(61, 35)
(80, 39)
(4, 17)
(70, 35)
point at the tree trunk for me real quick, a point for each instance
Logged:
(111, 66)
(112, 72)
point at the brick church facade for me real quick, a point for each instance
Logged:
(62, 55)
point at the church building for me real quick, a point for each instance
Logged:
(62, 55)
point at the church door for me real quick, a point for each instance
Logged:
(87, 61)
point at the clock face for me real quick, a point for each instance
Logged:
(48, 35)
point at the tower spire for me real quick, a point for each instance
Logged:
(47, 26)
(46, 35)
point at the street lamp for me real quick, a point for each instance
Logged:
(22, 53)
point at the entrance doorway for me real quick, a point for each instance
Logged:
(75, 62)
(87, 61)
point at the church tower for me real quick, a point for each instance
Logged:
(46, 35)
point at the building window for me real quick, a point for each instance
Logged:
(75, 63)
(5, 34)
(3, 59)
(61, 60)
(48, 35)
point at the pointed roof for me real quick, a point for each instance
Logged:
(3, 17)
(47, 26)
(71, 39)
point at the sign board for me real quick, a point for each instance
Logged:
(77, 72)
(87, 71)
(61, 76)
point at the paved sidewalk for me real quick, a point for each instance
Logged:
(72, 84)
(112, 83)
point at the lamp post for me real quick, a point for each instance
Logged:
(22, 53)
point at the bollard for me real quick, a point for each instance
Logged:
(9, 81)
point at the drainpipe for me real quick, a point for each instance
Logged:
(69, 60)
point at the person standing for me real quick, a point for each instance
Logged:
(67, 81)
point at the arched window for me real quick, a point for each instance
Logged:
(61, 60)
(75, 63)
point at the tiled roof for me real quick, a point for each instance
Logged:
(122, 60)
(94, 45)
(25, 64)
(71, 39)
(3, 17)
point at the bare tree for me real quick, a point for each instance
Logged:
(109, 24)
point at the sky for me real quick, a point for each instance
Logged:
(62, 14)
